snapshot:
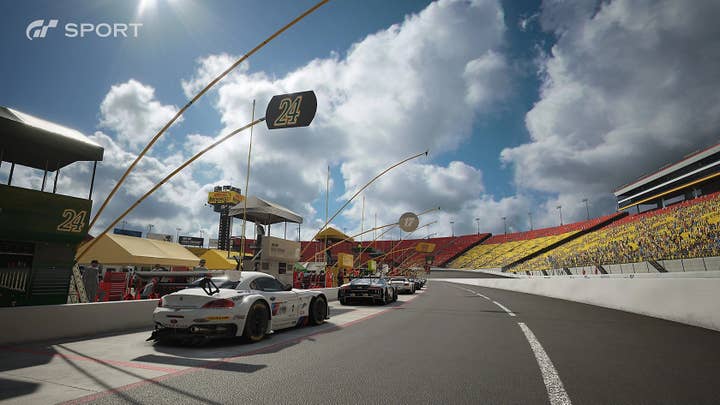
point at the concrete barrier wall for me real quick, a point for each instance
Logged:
(46, 322)
(692, 301)
(24, 324)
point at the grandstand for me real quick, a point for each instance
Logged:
(393, 252)
(501, 251)
(690, 229)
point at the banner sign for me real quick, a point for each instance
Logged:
(408, 222)
(118, 231)
(191, 241)
(224, 197)
(425, 247)
(345, 261)
(291, 110)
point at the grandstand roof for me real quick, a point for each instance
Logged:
(33, 142)
(686, 161)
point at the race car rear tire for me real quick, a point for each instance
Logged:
(318, 311)
(257, 322)
(343, 301)
(395, 294)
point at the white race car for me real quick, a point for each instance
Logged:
(257, 305)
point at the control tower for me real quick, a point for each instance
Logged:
(222, 198)
(40, 228)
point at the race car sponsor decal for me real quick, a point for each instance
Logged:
(278, 308)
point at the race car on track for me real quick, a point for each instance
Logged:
(258, 305)
(403, 284)
(373, 289)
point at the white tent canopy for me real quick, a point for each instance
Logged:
(264, 212)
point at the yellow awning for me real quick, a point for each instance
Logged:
(216, 259)
(333, 234)
(129, 250)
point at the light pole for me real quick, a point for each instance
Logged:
(559, 208)
(123, 225)
(477, 221)
(452, 229)
(177, 235)
(505, 224)
(587, 209)
(150, 227)
(530, 216)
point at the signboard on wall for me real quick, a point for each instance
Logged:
(224, 197)
(425, 247)
(118, 231)
(160, 236)
(280, 249)
(191, 241)
(345, 261)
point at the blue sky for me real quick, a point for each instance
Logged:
(534, 115)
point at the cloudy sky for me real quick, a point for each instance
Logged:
(523, 105)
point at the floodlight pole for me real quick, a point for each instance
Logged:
(530, 217)
(559, 208)
(247, 184)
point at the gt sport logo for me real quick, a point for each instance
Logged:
(39, 29)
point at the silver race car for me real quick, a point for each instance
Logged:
(257, 305)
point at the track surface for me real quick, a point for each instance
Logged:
(446, 345)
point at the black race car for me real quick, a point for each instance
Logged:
(370, 289)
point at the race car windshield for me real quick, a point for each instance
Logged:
(365, 281)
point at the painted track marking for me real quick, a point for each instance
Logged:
(556, 392)
(511, 313)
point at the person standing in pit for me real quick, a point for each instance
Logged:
(90, 280)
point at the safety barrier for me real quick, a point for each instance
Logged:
(680, 297)
(49, 322)
(671, 266)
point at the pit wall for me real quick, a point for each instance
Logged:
(699, 264)
(50, 322)
(689, 300)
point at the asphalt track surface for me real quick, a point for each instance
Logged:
(452, 343)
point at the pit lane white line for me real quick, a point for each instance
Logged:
(556, 392)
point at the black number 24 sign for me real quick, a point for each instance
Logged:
(291, 110)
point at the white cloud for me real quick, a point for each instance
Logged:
(132, 112)
(416, 85)
(629, 87)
